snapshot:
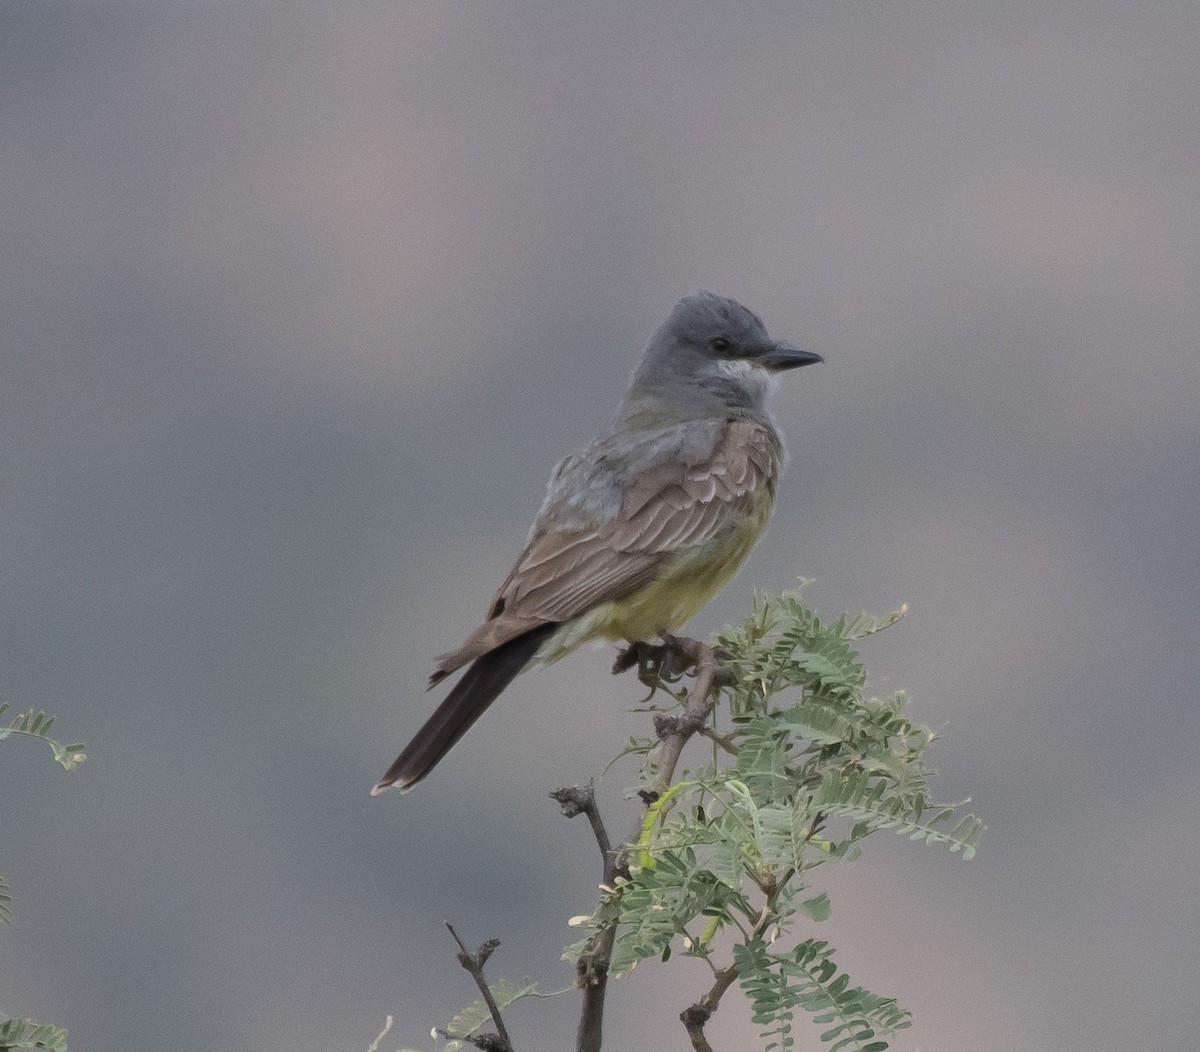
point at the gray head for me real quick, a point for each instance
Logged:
(710, 355)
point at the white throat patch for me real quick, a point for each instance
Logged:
(747, 373)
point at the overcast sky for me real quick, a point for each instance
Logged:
(300, 304)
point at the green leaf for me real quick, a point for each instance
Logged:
(818, 907)
(23, 1034)
(808, 978)
(35, 724)
(804, 765)
(725, 863)
(866, 801)
(818, 722)
(653, 816)
(863, 625)
(477, 1015)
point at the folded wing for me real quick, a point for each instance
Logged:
(671, 505)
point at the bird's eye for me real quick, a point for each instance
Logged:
(721, 343)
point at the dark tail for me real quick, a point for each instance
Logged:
(480, 685)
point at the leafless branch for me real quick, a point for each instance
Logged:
(473, 963)
(675, 731)
(591, 973)
(701, 1012)
(581, 800)
(374, 1047)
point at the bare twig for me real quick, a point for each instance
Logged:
(693, 1020)
(473, 963)
(675, 731)
(591, 971)
(591, 976)
(722, 741)
(581, 800)
(374, 1047)
(701, 1012)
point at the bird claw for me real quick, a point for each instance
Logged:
(659, 663)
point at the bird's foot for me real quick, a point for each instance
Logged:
(665, 662)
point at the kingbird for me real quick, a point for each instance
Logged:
(639, 529)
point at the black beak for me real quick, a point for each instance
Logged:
(784, 356)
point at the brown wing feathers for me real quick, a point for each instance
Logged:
(563, 574)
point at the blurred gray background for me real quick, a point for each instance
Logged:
(299, 305)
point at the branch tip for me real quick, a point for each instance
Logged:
(473, 963)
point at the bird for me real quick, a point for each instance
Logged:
(639, 529)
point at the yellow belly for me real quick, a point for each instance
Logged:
(683, 585)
